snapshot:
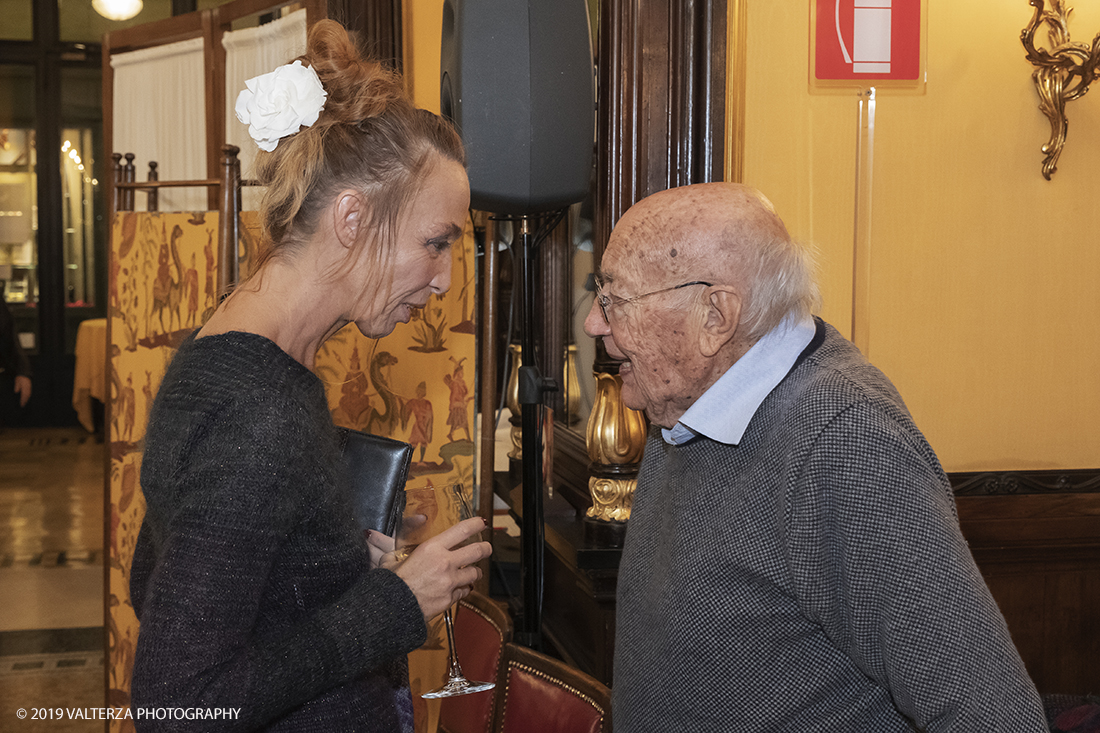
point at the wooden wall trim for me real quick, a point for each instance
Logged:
(214, 58)
(660, 123)
(155, 33)
(1035, 536)
(661, 112)
(376, 25)
(1009, 483)
(736, 73)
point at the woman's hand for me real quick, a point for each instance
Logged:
(440, 571)
(381, 547)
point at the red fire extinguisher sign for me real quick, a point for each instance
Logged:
(867, 39)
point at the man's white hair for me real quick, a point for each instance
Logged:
(780, 276)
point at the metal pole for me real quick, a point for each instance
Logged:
(531, 388)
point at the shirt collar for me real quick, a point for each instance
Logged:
(723, 412)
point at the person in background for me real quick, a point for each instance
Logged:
(15, 367)
(254, 588)
(794, 560)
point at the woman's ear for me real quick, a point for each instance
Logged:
(723, 316)
(348, 213)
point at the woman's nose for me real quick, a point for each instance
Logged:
(441, 283)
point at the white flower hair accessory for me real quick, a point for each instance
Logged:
(280, 103)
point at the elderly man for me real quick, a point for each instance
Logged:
(794, 561)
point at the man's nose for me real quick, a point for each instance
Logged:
(594, 324)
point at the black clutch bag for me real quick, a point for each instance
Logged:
(377, 469)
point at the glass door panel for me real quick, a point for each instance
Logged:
(78, 186)
(83, 227)
(19, 199)
(18, 18)
(18, 215)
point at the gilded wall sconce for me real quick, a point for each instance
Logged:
(1062, 73)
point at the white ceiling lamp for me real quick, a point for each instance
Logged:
(117, 9)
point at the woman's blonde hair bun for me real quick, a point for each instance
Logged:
(370, 137)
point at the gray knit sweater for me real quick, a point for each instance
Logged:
(811, 578)
(250, 578)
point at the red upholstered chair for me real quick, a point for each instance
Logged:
(539, 694)
(482, 628)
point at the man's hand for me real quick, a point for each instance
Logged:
(23, 389)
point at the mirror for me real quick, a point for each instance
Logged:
(579, 389)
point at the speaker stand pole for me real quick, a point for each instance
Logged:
(531, 388)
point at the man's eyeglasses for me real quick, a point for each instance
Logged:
(605, 301)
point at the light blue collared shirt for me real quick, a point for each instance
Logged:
(723, 412)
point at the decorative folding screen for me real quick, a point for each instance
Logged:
(416, 385)
(162, 280)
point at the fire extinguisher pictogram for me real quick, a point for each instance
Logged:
(867, 39)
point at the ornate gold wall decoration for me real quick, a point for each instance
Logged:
(572, 387)
(612, 499)
(512, 400)
(616, 442)
(1062, 73)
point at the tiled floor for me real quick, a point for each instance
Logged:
(51, 576)
(51, 495)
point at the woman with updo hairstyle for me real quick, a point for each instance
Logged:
(258, 595)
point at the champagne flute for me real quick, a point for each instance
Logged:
(417, 521)
(456, 683)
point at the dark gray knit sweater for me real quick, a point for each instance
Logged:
(250, 578)
(811, 578)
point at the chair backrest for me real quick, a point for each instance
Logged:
(537, 693)
(482, 628)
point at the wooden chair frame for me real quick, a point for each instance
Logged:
(225, 189)
(574, 681)
(498, 618)
(492, 612)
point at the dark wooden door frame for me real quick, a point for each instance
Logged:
(667, 115)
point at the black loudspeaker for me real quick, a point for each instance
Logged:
(517, 79)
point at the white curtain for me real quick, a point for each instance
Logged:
(159, 115)
(250, 52)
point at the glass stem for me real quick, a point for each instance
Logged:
(454, 668)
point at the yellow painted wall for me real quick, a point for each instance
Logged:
(423, 24)
(984, 307)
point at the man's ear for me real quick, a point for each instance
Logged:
(348, 214)
(722, 318)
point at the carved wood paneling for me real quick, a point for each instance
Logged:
(660, 123)
(1000, 483)
(661, 111)
(377, 26)
(1036, 539)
